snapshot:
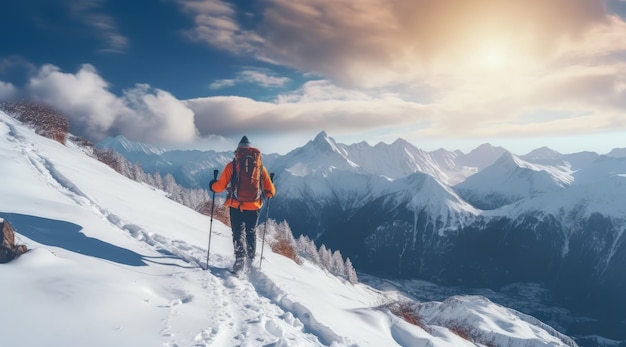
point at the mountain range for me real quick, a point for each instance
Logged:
(486, 218)
(114, 262)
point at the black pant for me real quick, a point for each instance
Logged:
(243, 223)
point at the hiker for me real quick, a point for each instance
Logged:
(248, 182)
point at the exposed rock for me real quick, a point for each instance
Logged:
(8, 249)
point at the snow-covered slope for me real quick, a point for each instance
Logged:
(116, 263)
(510, 179)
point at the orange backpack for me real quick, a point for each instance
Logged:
(245, 182)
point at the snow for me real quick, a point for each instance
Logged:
(515, 178)
(112, 262)
(393, 161)
(482, 156)
(123, 145)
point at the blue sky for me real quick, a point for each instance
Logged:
(202, 73)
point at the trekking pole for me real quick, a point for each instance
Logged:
(267, 215)
(208, 250)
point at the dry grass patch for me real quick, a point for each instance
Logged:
(285, 248)
(220, 212)
(406, 310)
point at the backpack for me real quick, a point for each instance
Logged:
(245, 182)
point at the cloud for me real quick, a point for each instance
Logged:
(466, 69)
(365, 43)
(576, 100)
(156, 115)
(262, 77)
(215, 24)
(572, 100)
(83, 97)
(14, 62)
(7, 91)
(308, 108)
(142, 113)
(89, 14)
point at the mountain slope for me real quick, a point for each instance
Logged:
(115, 263)
(549, 218)
(510, 179)
(125, 147)
(481, 157)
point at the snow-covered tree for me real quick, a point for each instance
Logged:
(351, 272)
(337, 266)
(326, 257)
(308, 250)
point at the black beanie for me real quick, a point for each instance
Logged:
(244, 142)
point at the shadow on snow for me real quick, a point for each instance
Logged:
(68, 236)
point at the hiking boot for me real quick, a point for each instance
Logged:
(239, 265)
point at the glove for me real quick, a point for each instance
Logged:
(269, 195)
(211, 185)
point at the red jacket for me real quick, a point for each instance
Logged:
(222, 183)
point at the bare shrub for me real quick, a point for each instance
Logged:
(220, 211)
(460, 332)
(404, 309)
(465, 333)
(43, 118)
(109, 157)
(284, 247)
(280, 239)
(82, 142)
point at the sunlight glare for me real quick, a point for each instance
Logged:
(493, 57)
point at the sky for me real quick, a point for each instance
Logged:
(520, 74)
(104, 270)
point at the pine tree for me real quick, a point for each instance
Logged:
(338, 267)
(326, 257)
(351, 272)
(158, 180)
(308, 250)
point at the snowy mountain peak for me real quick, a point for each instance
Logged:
(400, 142)
(512, 162)
(322, 155)
(543, 153)
(617, 153)
(322, 136)
(486, 148)
(508, 158)
(323, 143)
(510, 179)
(482, 156)
(125, 146)
(431, 194)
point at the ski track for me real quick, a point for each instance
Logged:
(247, 317)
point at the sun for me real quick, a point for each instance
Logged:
(492, 54)
(493, 58)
